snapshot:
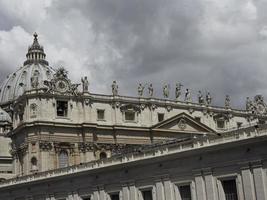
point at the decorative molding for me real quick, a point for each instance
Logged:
(45, 146)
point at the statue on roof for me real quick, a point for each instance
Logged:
(249, 104)
(188, 97)
(74, 89)
(178, 90)
(61, 73)
(150, 90)
(208, 98)
(115, 88)
(166, 92)
(140, 89)
(227, 101)
(51, 85)
(200, 97)
(85, 84)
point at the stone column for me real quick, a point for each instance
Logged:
(200, 185)
(248, 185)
(96, 194)
(259, 180)
(76, 196)
(168, 189)
(210, 185)
(133, 191)
(125, 192)
(159, 190)
(102, 193)
(70, 197)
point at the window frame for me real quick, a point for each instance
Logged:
(114, 193)
(67, 106)
(68, 158)
(220, 188)
(146, 188)
(220, 121)
(177, 186)
(104, 114)
(131, 112)
(163, 117)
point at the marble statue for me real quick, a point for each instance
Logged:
(166, 92)
(188, 97)
(50, 85)
(200, 98)
(178, 89)
(141, 89)
(74, 89)
(150, 90)
(115, 88)
(35, 79)
(85, 84)
(249, 104)
(227, 101)
(208, 98)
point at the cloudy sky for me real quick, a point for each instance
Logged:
(215, 45)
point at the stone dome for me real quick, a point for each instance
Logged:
(31, 76)
(4, 116)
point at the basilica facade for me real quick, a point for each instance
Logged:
(55, 131)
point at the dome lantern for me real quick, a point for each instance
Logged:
(35, 53)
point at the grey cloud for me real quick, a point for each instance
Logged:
(221, 50)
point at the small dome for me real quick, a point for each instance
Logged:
(31, 76)
(4, 116)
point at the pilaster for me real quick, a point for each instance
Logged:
(125, 192)
(200, 185)
(210, 184)
(133, 191)
(259, 180)
(159, 190)
(247, 180)
(168, 189)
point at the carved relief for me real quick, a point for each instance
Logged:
(45, 146)
(61, 84)
(182, 124)
(169, 108)
(85, 147)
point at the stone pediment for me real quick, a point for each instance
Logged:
(182, 123)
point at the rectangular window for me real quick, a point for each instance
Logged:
(62, 108)
(147, 195)
(114, 197)
(185, 192)
(229, 188)
(220, 124)
(129, 116)
(100, 114)
(160, 117)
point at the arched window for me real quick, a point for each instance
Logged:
(102, 155)
(34, 164)
(63, 159)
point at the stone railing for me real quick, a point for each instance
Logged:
(157, 150)
(150, 100)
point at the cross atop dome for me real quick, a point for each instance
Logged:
(35, 52)
(35, 35)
